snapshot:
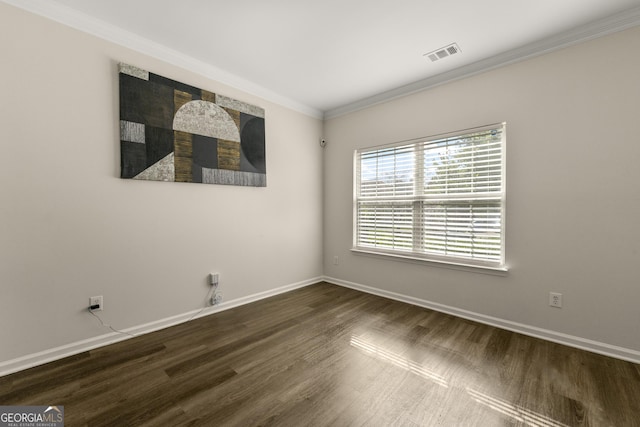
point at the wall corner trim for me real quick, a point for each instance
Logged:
(605, 349)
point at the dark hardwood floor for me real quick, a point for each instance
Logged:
(325, 355)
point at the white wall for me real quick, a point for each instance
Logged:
(71, 228)
(573, 190)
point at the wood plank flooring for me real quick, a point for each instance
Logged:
(329, 356)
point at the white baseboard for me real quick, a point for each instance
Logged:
(545, 334)
(50, 355)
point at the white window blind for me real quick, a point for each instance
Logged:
(440, 198)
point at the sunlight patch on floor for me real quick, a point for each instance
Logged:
(396, 360)
(516, 412)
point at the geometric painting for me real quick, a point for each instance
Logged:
(170, 131)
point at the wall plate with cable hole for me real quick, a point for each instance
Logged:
(96, 301)
(217, 298)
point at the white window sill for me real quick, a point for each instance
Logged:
(496, 271)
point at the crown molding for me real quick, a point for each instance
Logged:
(101, 29)
(85, 23)
(602, 27)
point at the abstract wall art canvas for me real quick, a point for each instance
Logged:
(170, 131)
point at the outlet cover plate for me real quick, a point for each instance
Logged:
(555, 299)
(96, 301)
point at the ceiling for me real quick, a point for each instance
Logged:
(334, 55)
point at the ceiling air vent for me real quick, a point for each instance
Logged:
(443, 52)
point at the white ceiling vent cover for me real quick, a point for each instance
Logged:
(443, 52)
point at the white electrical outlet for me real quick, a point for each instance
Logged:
(555, 299)
(214, 279)
(93, 301)
(336, 260)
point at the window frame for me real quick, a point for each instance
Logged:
(419, 201)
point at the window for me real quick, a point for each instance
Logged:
(439, 199)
